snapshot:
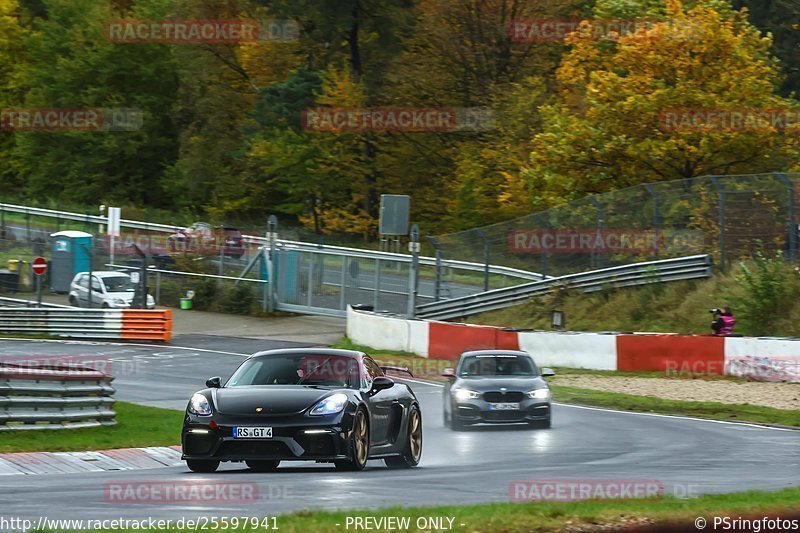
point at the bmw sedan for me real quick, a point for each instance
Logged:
(496, 386)
(309, 404)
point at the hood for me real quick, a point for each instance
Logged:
(125, 295)
(274, 399)
(484, 384)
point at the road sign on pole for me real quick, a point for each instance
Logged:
(39, 267)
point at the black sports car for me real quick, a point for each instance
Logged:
(496, 386)
(303, 404)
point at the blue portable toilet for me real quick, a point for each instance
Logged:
(69, 258)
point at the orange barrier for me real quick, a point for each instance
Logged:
(147, 324)
(447, 340)
(696, 354)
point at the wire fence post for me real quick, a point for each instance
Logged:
(601, 214)
(486, 259)
(437, 282)
(413, 273)
(791, 237)
(377, 284)
(539, 218)
(656, 217)
(723, 255)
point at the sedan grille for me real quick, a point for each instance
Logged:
(499, 397)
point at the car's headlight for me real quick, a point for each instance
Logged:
(199, 405)
(119, 301)
(539, 394)
(465, 394)
(330, 405)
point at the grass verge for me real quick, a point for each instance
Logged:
(606, 515)
(137, 426)
(648, 404)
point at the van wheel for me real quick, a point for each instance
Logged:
(73, 302)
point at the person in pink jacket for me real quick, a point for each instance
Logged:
(723, 324)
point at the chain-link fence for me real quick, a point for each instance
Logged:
(729, 217)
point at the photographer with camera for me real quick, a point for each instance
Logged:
(724, 321)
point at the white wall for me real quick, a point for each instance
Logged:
(763, 359)
(387, 332)
(573, 350)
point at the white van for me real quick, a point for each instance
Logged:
(110, 289)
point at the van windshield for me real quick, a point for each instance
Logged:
(118, 284)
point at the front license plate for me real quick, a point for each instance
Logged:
(509, 406)
(252, 433)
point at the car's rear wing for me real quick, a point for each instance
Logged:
(401, 369)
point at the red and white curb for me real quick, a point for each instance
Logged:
(96, 461)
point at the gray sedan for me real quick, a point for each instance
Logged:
(496, 386)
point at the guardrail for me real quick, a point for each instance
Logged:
(61, 397)
(296, 245)
(127, 324)
(16, 302)
(682, 268)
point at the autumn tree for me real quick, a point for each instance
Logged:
(607, 130)
(13, 60)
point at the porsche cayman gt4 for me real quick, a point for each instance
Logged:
(303, 404)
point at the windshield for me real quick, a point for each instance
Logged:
(118, 284)
(298, 369)
(497, 365)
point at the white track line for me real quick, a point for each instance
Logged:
(108, 343)
(726, 422)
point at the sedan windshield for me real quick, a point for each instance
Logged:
(497, 365)
(298, 369)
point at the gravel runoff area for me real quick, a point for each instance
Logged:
(767, 394)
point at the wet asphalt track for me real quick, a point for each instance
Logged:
(687, 456)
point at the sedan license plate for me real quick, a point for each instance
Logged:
(252, 432)
(507, 406)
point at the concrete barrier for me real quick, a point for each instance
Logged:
(570, 349)
(754, 358)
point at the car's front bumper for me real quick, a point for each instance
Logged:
(297, 438)
(479, 411)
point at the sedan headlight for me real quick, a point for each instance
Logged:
(330, 405)
(539, 394)
(199, 405)
(465, 394)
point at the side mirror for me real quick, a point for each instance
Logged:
(214, 383)
(449, 373)
(547, 372)
(381, 383)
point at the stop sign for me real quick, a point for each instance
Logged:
(39, 266)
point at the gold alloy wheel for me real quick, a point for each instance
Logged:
(360, 439)
(415, 435)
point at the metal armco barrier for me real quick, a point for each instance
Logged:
(16, 302)
(682, 268)
(47, 397)
(127, 324)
